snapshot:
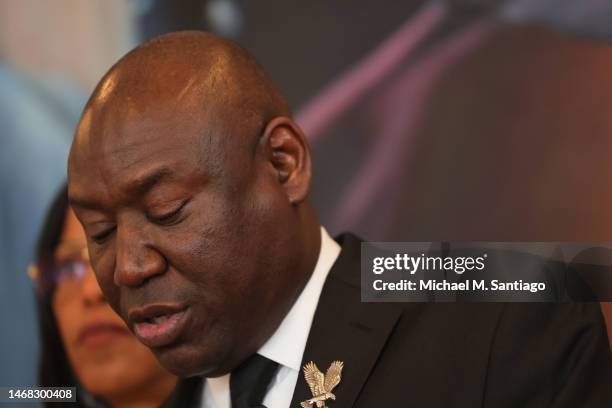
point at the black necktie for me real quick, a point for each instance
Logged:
(250, 380)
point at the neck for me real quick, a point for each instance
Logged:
(311, 240)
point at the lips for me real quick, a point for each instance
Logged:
(101, 332)
(159, 325)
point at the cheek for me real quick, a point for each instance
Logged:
(68, 312)
(238, 250)
(123, 366)
(206, 239)
(214, 252)
(103, 264)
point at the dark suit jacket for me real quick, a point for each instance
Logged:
(455, 354)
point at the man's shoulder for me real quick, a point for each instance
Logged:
(494, 321)
(467, 350)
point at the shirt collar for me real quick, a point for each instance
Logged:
(287, 344)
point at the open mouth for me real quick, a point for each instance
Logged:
(159, 325)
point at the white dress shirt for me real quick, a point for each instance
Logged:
(286, 345)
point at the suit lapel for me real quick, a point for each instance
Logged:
(345, 329)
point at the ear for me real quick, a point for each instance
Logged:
(287, 150)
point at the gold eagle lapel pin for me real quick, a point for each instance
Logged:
(321, 386)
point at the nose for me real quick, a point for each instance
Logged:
(91, 290)
(136, 260)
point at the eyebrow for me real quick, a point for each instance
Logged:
(143, 184)
(137, 187)
(66, 246)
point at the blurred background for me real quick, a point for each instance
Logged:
(428, 120)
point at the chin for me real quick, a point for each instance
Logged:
(104, 381)
(189, 361)
(104, 389)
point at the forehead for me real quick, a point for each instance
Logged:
(163, 114)
(118, 144)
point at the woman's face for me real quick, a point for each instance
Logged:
(107, 359)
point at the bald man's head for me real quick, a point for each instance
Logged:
(191, 70)
(191, 181)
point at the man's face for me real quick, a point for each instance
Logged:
(189, 233)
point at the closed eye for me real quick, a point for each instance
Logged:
(101, 237)
(168, 218)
